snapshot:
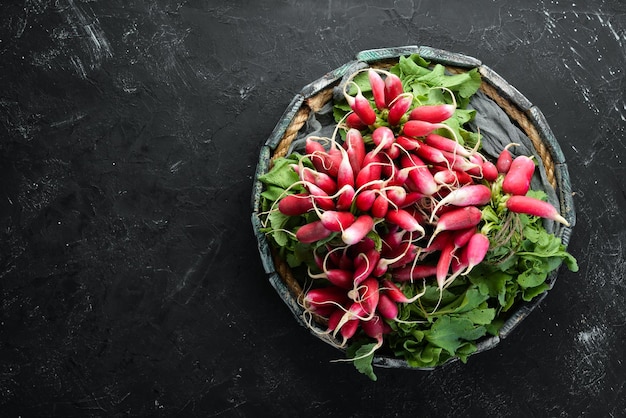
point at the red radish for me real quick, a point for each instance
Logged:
(404, 220)
(378, 88)
(322, 180)
(413, 272)
(475, 250)
(369, 295)
(411, 199)
(354, 122)
(431, 154)
(398, 108)
(358, 230)
(387, 308)
(458, 162)
(311, 232)
(420, 175)
(345, 198)
(349, 329)
(325, 296)
(320, 197)
(463, 236)
(356, 149)
(337, 221)
(406, 143)
(383, 137)
(396, 195)
(468, 195)
(361, 106)
(490, 172)
(446, 144)
(419, 128)
(393, 292)
(364, 265)
(517, 179)
(456, 219)
(433, 113)
(505, 159)
(365, 199)
(380, 205)
(393, 151)
(295, 204)
(535, 207)
(443, 264)
(345, 174)
(340, 278)
(393, 88)
(322, 160)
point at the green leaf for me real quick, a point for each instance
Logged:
(363, 357)
(450, 333)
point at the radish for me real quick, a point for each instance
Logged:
(419, 128)
(315, 299)
(535, 207)
(383, 137)
(420, 174)
(340, 278)
(355, 146)
(490, 172)
(517, 179)
(295, 204)
(320, 197)
(463, 236)
(404, 220)
(446, 144)
(413, 272)
(358, 230)
(468, 195)
(312, 232)
(322, 180)
(456, 219)
(361, 106)
(380, 205)
(398, 108)
(503, 163)
(433, 113)
(354, 122)
(443, 264)
(393, 88)
(336, 221)
(365, 199)
(475, 251)
(406, 143)
(322, 160)
(345, 197)
(364, 265)
(397, 195)
(378, 88)
(387, 308)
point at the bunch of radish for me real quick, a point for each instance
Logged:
(396, 203)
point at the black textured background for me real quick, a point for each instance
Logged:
(130, 282)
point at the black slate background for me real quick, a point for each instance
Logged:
(130, 282)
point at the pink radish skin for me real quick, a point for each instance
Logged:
(345, 198)
(325, 296)
(419, 128)
(361, 106)
(369, 295)
(345, 174)
(517, 179)
(340, 278)
(398, 108)
(322, 180)
(322, 160)
(383, 137)
(365, 264)
(463, 236)
(393, 88)
(380, 205)
(461, 218)
(503, 163)
(443, 264)
(311, 232)
(358, 230)
(320, 197)
(490, 172)
(433, 113)
(349, 329)
(410, 273)
(387, 308)
(475, 251)
(295, 204)
(406, 143)
(420, 175)
(446, 144)
(535, 207)
(404, 220)
(393, 292)
(468, 195)
(354, 122)
(378, 88)
(365, 200)
(337, 221)
(396, 195)
(355, 147)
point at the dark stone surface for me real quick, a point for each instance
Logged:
(130, 280)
